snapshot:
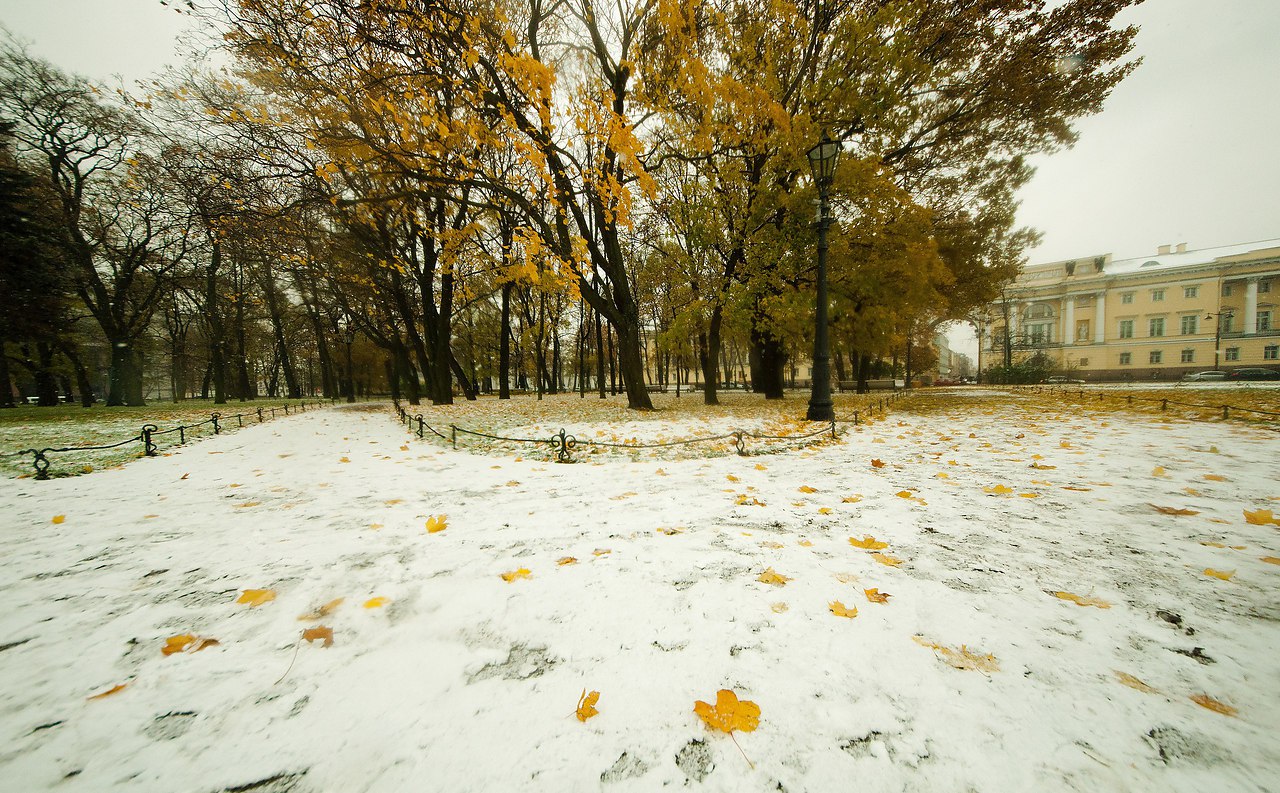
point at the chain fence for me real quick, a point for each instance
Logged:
(1226, 411)
(563, 444)
(149, 436)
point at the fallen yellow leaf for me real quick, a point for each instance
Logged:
(1223, 575)
(323, 611)
(1215, 478)
(876, 596)
(804, 543)
(1158, 471)
(1133, 682)
(824, 510)
(868, 543)
(523, 572)
(1270, 559)
(319, 632)
(729, 713)
(256, 597)
(186, 643)
(998, 490)
(807, 489)
(761, 467)
(779, 607)
(962, 658)
(376, 603)
(59, 518)
(841, 610)
(1083, 601)
(437, 523)
(1173, 510)
(851, 499)
(769, 576)
(1261, 517)
(1206, 701)
(113, 690)
(903, 494)
(885, 559)
(587, 705)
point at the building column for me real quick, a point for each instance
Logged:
(1013, 320)
(1069, 321)
(1100, 318)
(1250, 306)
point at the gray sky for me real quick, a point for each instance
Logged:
(1183, 152)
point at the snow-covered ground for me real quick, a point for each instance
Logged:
(978, 673)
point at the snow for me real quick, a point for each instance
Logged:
(465, 682)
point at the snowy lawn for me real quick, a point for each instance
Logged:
(1049, 624)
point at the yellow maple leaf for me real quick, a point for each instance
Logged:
(807, 489)
(1133, 682)
(587, 705)
(376, 603)
(804, 543)
(731, 477)
(761, 467)
(670, 530)
(1261, 517)
(877, 464)
(343, 460)
(824, 510)
(1222, 575)
(876, 596)
(885, 559)
(437, 523)
(601, 552)
(778, 607)
(323, 611)
(186, 643)
(1215, 478)
(256, 597)
(962, 658)
(113, 690)
(903, 494)
(246, 504)
(523, 572)
(998, 490)
(1028, 495)
(769, 576)
(319, 632)
(1206, 701)
(564, 560)
(1270, 559)
(841, 610)
(59, 518)
(868, 543)
(1083, 601)
(1173, 510)
(729, 713)
(1040, 467)
(851, 499)
(1158, 471)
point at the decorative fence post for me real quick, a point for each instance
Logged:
(148, 448)
(40, 462)
(214, 419)
(260, 419)
(453, 436)
(418, 418)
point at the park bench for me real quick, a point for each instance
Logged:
(884, 384)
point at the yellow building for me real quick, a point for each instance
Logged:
(1155, 317)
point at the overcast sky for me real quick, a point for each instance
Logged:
(1185, 150)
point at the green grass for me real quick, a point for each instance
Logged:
(72, 426)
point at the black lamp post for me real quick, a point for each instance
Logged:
(349, 336)
(1217, 332)
(822, 159)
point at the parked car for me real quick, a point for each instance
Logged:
(1058, 379)
(1253, 373)
(1199, 377)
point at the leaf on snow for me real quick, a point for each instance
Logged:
(729, 713)
(1158, 471)
(877, 463)
(886, 559)
(323, 611)
(1133, 682)
(771, 577)
(319, 632)
(523, 572)
(256, 597)
(1083, 601)
(587, 705)
(376, 603)
(1270, 559)
(1222, 575)
(876, 596)
(841, 610)
(113, 690)
(868, 543)
(778, 607)
(186, 643)
(1206, 701)
(59, 518)
(851, 499)
(437, 523)
(998, 490)
(1260, 517)
(962, 658)
(1173, 510)
(807, 489)
(1215, 478)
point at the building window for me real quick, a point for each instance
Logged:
(1126, 329)
(1226, 290)
(1154, 357)
(1155, 327)
(1264, 321)
(1264, 286)
(1082, 330)
(1190, 291)
(1157, 295)
(1271, 352)
(1126, 297)
(1039, 334)
(1126, 358)
(1190, 324)
(1085, 361)
(1232, 354)
(1188, 356)
(1224, 321)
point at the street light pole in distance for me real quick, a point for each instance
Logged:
(822, 160)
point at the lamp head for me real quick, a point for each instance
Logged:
(822, 159)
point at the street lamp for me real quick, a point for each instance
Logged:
(822, 160)
(1217, 332)
(349, 336)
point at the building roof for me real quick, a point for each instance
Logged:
(1085, 267)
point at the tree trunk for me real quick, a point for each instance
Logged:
(6, 380)
(599, 357)
(631, 366)
(504, 344)
(709, 349)
(772, 357)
